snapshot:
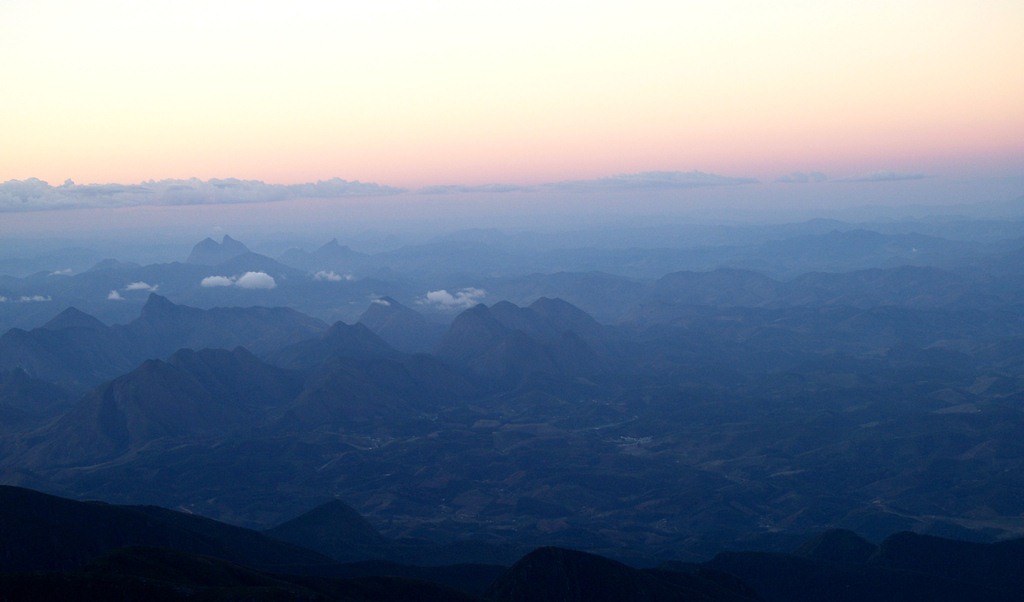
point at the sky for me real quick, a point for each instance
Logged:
(413, 94)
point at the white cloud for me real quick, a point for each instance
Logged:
(64, 272)
(383, 302)
(256, 280)
(214, 281)
(142, 286)
(33, 298)
(462, 299)
(331, 276)
(35, 195)
(250, 280)
(114, 296)
(3, 299)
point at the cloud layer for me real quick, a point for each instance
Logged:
(25, 299)
(329, 276)
(36, 195)
(461, 299)
(248, 280)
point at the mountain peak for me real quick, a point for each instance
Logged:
(334, 529)
(401, 327)
(155, 301)
(211, 252)
(73, 317)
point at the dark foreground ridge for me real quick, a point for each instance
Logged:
(54, 548)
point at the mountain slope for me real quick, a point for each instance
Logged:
(192, 394)
(45, 532)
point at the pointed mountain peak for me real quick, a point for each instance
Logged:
(112, 264)
(211, 252)
(230, 245)
(73, 318)
(334, 249)
(336, 518)
(336, 530)
(504, 306)
(157, 305)
(382, 306)
(401, 327)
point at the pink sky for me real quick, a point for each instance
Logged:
(413, 94)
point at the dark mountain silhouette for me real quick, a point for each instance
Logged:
(77, 351)
(91, 550)
(905, 566)
(403, 328)
(336, 530)
(44, 532)
(330, 256)
(114, 264)
(504, 343)
(339, 341)
(359, 394)
(838, 546)
(71, 351)
(158, 574)
(999, 565)
(73, 318)
(165, 327)
(192, 394)
(211, 252)
(94, 551)
(26, 403)
(254, 262)
(560, 575)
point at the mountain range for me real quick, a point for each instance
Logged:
(89, 550)
(826, 425)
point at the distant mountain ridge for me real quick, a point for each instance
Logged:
(77, 351)
(504, 343)
(52, 544)
(211, 252)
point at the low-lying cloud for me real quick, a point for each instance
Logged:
(25, 299)
(36, 195)
(328, 276)
(248, 280)
(142, 286)
(115, 295)
(461, 299)
(256, 280)
(215, 281)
